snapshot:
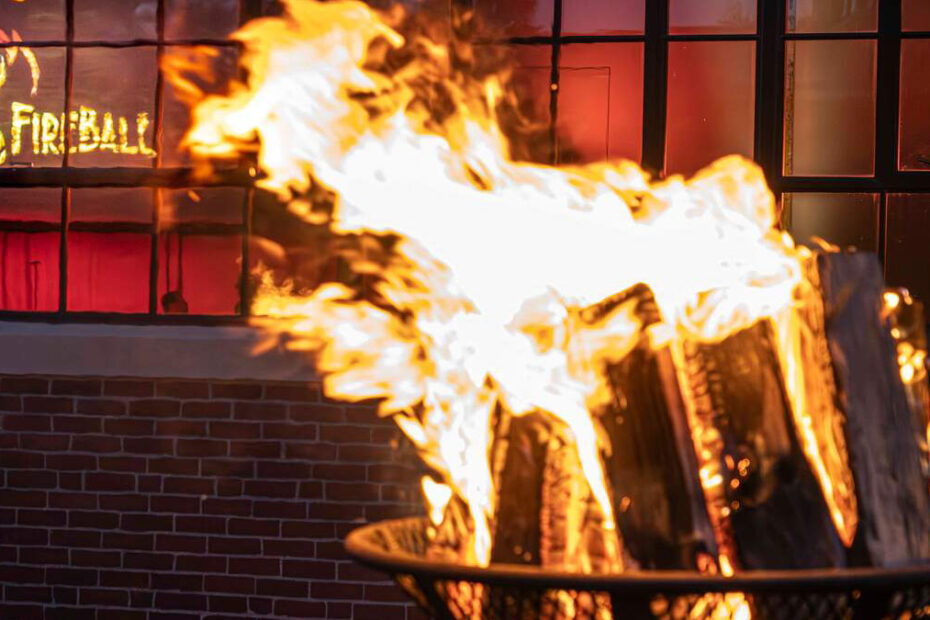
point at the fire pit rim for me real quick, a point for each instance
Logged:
(361, 546)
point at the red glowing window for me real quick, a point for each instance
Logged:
(845, 220)
(907, 259)
(200, 274)
(603, 17)
(108, 272)
(712, 16)
(29, 271)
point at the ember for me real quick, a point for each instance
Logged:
(603, 372)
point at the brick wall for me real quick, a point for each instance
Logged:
(134, 499)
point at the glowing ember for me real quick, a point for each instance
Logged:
(494, 262)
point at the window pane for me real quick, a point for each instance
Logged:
(114, 20)
(35, 20)
(832, 15)
(600, 102)
(214, 204)
(583, 17)
(712, 16)
(32, 124)
(224, 67)
(830, 108)
(711, 102)
(514, 18)
(200, 19)
(907, 260)
(915, 15)
(108, 272)
(29, 271)
(841, 219)
(132, 204)
(34, 204)
(914, 147)
(116, 107)
(199, 274)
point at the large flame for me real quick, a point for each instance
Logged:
(493, 261)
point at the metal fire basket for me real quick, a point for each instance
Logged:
(507, 591)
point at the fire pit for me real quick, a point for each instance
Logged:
(447, 590)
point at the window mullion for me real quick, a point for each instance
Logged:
(888, 68)
(655, 88)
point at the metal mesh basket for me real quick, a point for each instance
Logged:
(509, 591)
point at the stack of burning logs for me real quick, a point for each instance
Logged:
(706, 461)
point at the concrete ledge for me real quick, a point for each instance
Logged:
(180, 352)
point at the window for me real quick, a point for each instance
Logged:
(100, 215)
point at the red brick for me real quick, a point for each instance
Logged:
(352, 571)
(176, 600)
(317, 413)
(188, 486)
(340, 610)
(236, 391)
(94, 520)
(235, 430)
(124, 426)
(311, 451)
(228, 604)
(38, 555)
(282, 587)
(29, 422)
(24, 385)
(182, 389)
(137, 600)
(124, 579)
(292, 393)
(175, 503)
(384, 512)
(76, 424)
(268, 488)
(206, 409)
(95, 443)
(255, 449)
(26, 536)
(310, 489)
(226, 583)
(38, 518)
(15, 459)
(280, 510)
(32, 479)
(148, 561)
(71, 480)
(138, 389)
(307, 529)
(402, 494)
(104, 598)
(173, 466)
(175, 581)
(180, 543)
(364, 454)
(289, 430)
(71, 576)
(11, 403)
(334, 550)
(135, 542)
(254, 527)
(204, 563)
(299, 609)
(37, 594)
(71, 462)
(123, 463)
(233, 468)
(309, 569)
(77, 387)
(149, 484)
(391, 473)
(379, 612)
(100, 406)
(47, 404)
(344, 591)
(288, 548)
(254, 566)
(109, 482)
(125, 502)
(125, 614)
(388, 594)
(259, 411)
(279, 469)
(200, 525)
(338, 511)
(135, 522)
(44, 443)
(181, 428)
(148, 445)
(7, 517)
(87, 501)
(21, 574)
(157, 408)
(345, 433)
(99, 559)
(228, 488)
(217, 506)
(234, 546)
(261, 606)
(202, 447)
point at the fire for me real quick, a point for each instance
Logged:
(494, 264)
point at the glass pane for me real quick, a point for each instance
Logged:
(907, 260)
(712, 16)
(108, 272)
(832, 15)
(841, 219)
(35, 20)
(114, 20)
(214, 204)
(32, 123)
(711, 102)
(830, 108)
(224, 67)
(199, 274)
(514, 18)
(200, 19)
(34, 204)
(915, 15)
(115, 107)
(132, 204)
(914, 131)
(600, 102)
(584, 17)
(29, 271)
